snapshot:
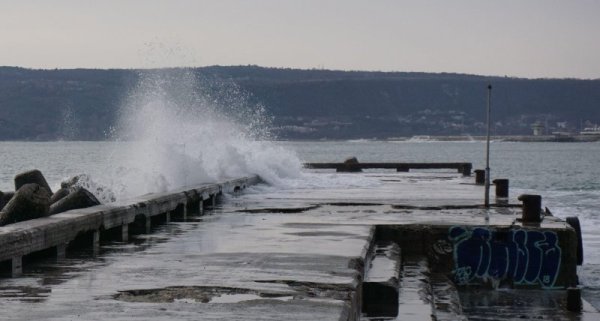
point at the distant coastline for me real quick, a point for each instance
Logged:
(416, 138)
(505, 138)
(468, 138)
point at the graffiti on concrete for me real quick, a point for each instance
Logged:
(525, 256)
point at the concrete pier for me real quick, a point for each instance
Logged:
(56, 231)
(464, 168)
(317, 254)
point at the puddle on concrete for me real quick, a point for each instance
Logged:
(285, 210)
(40, 274)
(308, 225)
(436, 208)
(236, 298)
(352, 204)
(321, 233)
(24, 293)
(498, 208)
(317, 290)
(196, 294)
(514, 304)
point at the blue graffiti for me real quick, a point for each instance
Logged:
(526, 257)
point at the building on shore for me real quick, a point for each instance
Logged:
(538, 129)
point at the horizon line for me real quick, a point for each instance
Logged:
(303, 69)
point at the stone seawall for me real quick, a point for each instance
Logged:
(55, 232)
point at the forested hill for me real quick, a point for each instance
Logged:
(82, 104)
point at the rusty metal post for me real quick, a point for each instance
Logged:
(501, 187)
(532, 208)
(574, 299)
(479, 176)
(465, 170)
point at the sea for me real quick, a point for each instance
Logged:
(566, 175)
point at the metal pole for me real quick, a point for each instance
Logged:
(487, 150)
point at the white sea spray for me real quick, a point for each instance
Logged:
(182, 130)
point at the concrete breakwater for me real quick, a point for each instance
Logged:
(352, 165)
(567, 138)
(55, 233)
(403, 246)
(33, 198)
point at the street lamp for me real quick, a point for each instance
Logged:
(487, 150)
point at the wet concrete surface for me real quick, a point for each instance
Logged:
(520, 305)
(265, 255)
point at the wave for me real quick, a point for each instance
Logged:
(182, 130)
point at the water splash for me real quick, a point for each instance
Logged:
(183, 130)
(69, 129)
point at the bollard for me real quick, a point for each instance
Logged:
(532, 208)
(574, 299)
(501, 187)
(465, 169)
(479, 176)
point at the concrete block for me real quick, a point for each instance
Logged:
(96, 242)
(124, 233)
(61, 251)
(16, 266)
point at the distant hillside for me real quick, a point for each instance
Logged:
(82, 104)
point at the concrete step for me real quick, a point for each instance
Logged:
(380, 285)
(407, 290)
(446, 299)
(415, 295)
(514, 304)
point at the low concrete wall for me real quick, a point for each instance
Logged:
(23, 238)
(464, 168)
(519, 256)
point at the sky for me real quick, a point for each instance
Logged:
(517, 38)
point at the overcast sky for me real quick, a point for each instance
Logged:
(525, 38)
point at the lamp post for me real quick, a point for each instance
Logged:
(487, 149)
